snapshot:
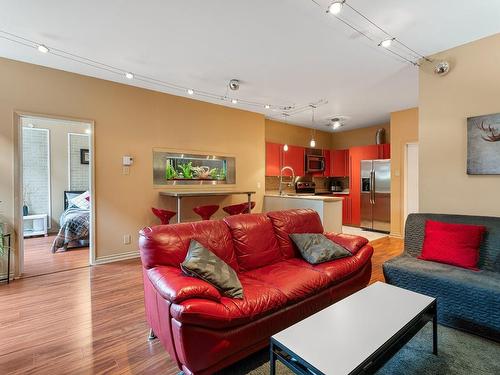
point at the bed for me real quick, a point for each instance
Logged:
(74, 225)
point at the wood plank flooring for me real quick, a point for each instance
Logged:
(39, 259)
(91, 321)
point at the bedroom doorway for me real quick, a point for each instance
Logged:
(55, 194)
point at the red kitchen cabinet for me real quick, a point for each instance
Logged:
(385, 151)
(346, 208)
(339, 163)
(273, 158)
(328, 169)
(294, 158)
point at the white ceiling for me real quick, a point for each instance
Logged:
(284, 51)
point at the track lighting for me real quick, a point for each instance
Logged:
(285, 147)
(336, 124)
(267, 106)
(129, 75)
(190, 91)
(234, 101)
(42, 48)
(386, 43)
(336, 7)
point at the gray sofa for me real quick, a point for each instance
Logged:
(467, 300)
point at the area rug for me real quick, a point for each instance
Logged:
(459, 354)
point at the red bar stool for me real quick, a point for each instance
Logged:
(237, 209)
(207, 211)
(163, 215)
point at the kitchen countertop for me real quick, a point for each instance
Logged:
(305, 197)
(344, 192)
(203, 193)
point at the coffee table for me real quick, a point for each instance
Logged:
(356, 335)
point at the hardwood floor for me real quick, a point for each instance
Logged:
(39, 259)
(91, 321)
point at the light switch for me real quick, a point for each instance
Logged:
(125, 170)
(127, 239)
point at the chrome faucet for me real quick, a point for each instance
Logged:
(281, 178)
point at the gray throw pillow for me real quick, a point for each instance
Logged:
(203, 264)
(316, 248)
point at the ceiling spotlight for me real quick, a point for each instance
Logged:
(336, 124)
(190, 91)
(267, 107)
(386, 43)
(336, 6)
(42, 48)
(442, 68)
(234, 84)
(234, 101)
(129, 75)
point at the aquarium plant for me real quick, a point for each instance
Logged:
(186, 170)
(170, 172)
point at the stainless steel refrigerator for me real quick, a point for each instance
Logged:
(376, 195)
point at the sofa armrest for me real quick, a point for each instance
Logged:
(351, 242)
(172, 284)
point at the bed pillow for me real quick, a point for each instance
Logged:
(203, 264)
(316, 248)
(455, 244)
(81, 201)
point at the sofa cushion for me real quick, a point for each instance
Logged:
(174, 286)
(294, 221)
(315, 248)
(254, 240)
(349, 241)
(167, 245)
(456, 244)
(293, 281)
(466, 299)
(339, 269)
(259, 299)
(203, 264)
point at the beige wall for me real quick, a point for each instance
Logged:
(128, 121)
(358, 137)
(404, 130)
(471, 88)
(279, 132)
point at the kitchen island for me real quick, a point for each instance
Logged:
(329, 208)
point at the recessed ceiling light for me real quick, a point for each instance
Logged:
(234, 101)
(336, 7)
(386, 43)
(268, 106)
(190, 91)
(129, 75)
(42, 48)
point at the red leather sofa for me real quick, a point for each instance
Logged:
(204, 331)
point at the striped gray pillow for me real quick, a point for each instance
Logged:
(203, 264)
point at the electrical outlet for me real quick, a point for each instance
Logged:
(127, 239)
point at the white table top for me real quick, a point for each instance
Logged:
(37, 216)
(339, 338)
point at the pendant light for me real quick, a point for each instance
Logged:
(313, 131)
(285, 146)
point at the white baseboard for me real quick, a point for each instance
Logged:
(117, 257)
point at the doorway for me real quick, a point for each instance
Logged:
(411, 204)
(54, 187)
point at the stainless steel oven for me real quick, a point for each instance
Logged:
(315, 163)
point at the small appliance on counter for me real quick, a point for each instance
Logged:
(336, 186)
(305, 187)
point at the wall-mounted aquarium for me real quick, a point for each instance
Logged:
(171, 168)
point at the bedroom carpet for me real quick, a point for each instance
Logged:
(459, 354)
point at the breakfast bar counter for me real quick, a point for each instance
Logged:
(204, 193)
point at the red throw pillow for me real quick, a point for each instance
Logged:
(455, 244)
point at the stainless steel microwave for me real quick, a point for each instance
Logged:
(315, 163)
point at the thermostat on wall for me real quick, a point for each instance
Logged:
(128, 160)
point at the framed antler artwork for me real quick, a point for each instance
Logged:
(483, 144)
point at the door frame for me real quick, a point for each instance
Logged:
(405, 182)
(18, 183)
